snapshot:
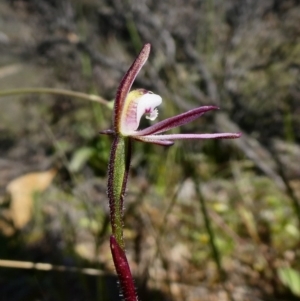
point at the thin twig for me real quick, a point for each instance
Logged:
(48, 267)
(90, 97)
(288, 188)
(190, 170)
(214, 249)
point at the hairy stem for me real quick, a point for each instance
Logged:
(118, 169)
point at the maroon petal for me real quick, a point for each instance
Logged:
(172, 137)
(107, 132)
(123, 271)
(127, 82)
(175, 121)
(154, 140)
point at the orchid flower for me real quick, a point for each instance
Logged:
(129, 107)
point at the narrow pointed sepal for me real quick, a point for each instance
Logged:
(171, 137)
(152, 139)
(126, 84)
(107, 132)
(123, 271)
(175, 121)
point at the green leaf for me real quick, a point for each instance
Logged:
(290, 278)
(80, 157)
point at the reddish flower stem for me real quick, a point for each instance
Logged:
(123, 271)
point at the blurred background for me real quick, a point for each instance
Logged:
(204, 220)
